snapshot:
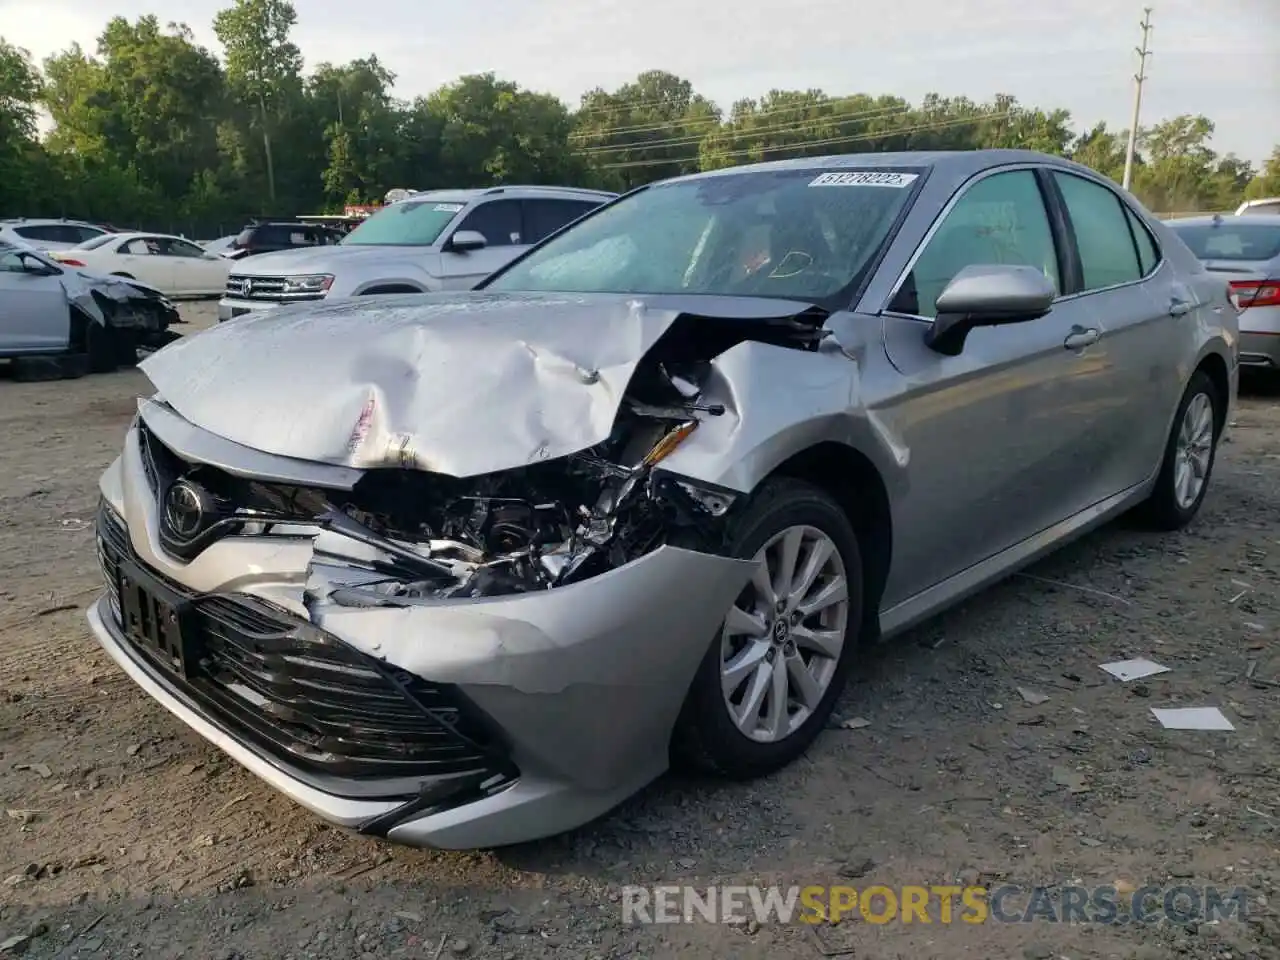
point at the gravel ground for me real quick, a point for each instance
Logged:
(126, 836)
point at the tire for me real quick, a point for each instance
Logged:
(708, 738)
(67, 366)
(126, 348)
(101, 346)
(1165, 509)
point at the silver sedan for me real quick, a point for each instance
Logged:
(469, 569)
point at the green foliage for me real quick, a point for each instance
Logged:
(151, 128)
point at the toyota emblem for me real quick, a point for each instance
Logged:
(184, 510)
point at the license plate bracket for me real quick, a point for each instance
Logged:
(157, 619)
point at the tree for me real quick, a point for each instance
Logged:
(21, 158)
(263, 65)
(1267, 182)
(645, 130)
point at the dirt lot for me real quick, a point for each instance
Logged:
(125, 836)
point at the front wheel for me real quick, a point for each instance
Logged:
(769, 681)
(1189, 456)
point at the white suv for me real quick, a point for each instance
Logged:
(436, 240)
(48, 234)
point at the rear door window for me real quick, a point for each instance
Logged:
(1108, 256)
(498, 221)
(544, 217)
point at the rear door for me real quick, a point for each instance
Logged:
(1145, 315)
(500, 222)
(1001, 438)
(195, 272)
(141, 258)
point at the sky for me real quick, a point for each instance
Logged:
(1220, 58)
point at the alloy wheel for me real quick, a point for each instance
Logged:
(782, 640)
(1193, 451)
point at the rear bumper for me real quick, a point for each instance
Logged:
(1260, 351)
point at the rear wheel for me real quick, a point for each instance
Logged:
(1189, 456)
(768, 683)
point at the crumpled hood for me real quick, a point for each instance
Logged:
(292, 263)
(461, 384)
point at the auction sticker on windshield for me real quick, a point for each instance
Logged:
(864, 178)
(448, 207)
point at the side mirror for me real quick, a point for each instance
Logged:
(987, 295)
(467, 240)
(35, 265)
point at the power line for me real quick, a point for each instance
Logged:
(736, 154)
(651, 125)
(1140, 77)
(789, 126)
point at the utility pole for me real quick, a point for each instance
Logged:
(1140, 77)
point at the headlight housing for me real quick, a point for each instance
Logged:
(315, 283)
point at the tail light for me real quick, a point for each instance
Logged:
(69, 262)
(1255, 293)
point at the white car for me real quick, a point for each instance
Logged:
(176, 267)
(1266, 205)
(49, 234)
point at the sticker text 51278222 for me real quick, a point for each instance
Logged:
(864, 178)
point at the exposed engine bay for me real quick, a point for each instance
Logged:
(533, 527)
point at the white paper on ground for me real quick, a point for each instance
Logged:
(1134, 669)
(1192, 718)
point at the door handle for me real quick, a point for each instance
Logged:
(1079, 338)
(1179, 307)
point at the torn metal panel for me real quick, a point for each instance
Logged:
(118, 301)
(461, 385)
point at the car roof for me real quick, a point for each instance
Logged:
(955, 165)
(134, 235)
(47, 221)
(518, 191)
(1273, 219)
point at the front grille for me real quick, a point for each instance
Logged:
(265, 289)
(309, 701)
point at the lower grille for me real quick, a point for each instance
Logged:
(301, 696)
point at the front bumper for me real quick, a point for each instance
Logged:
(582, 684)
(231, 307)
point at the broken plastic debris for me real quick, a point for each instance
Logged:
(856, 723)
(1033, 697)
(1126, 670)
(1192, 718)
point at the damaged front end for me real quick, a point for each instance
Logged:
(121, 304)
(404, 535)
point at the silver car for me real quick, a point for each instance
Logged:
(1245, 251)
(468, 569)
(425, 242)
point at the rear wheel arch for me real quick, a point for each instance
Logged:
(1215, 368)
(853, 481)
